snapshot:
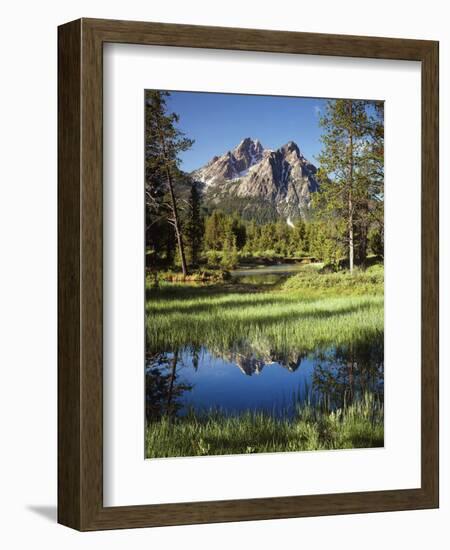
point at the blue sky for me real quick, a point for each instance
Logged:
(218, 122)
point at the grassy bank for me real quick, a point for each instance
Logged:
(197, 276)
(308, 311)
(358, 426)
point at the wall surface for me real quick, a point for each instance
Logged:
(28, 272)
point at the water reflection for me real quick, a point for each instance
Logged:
(344, 374)
(247, 377)
(251, 360)
(163, 388)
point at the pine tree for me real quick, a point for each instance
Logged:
(376, 176)
(214, 232)
(345, 176)
(163, 143)
(239, 231)
(194, 226)
(370, 214)
(229, 252)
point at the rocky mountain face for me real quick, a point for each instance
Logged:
(251, 176)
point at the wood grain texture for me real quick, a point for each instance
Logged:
(430, 272)
(69, 247)
(80, 241)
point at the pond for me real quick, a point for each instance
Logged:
(253, 376)
(243, 380)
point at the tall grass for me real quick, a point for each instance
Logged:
(309, 311)
(359, 425)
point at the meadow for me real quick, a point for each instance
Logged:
(308, 311)
(311, 310)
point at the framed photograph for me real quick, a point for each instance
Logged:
(248, 274)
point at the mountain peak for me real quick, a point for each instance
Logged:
(283, 179)
(290, 147)
(249, 145)
(249, 141)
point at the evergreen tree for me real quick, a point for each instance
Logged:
(194, 226)
(345, 178)
(163, 143)
(239, 230)
(229, 253)
(251, 237)
(213, 231)
(376, 177)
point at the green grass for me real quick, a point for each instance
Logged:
(357, 426)
(367, 281)
(197, 276)
(309, 311)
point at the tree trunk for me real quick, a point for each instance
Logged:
(173, 200)
(351, 247)
(176, 222)
(362, 244)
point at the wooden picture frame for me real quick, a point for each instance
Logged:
(80, 272)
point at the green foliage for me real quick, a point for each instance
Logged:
(229, 258)
(212, 258)
(351, 178)
(214, 230)
(271, 240)
(367, 281)
(248, 208)
(326, 245)
(376, 241)
(163, 143)
(194, 227)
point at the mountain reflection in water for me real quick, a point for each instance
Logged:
(249, 378)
